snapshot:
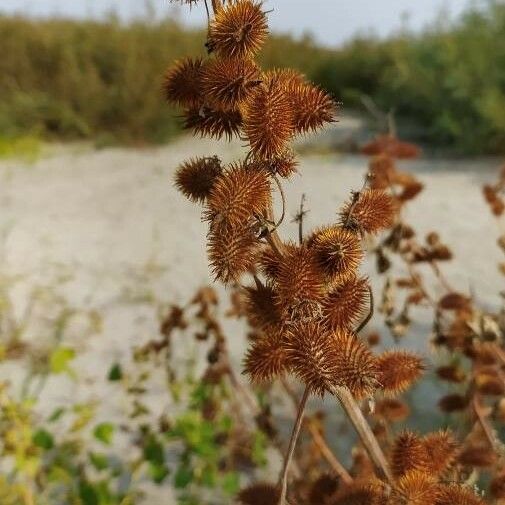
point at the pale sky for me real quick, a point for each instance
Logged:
(330, 21)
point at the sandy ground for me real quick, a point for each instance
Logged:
(111, 228)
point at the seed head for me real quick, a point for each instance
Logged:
(268, 120)
(311, 354)
(398, 370)
(226, 82)
(195, 178)
(392, 410)
(415, 488)
(261, 309)
(232, 253)
(345, 305)
(238, 30)
(266, 358)
(237, 196)
(182, 83)
(369, 211)
(442, 449)
(260, 493)
(460, 495)
(208, 122)
(408, 454)
(356, 366)
(337, 251)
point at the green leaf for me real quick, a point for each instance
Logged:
(158, 472)
(104, 432)
(231, 483)
(99, 461)
(43, 439)
(153, 451)
(183, 477)
(87, 494)
(60, 359)
(115, 373)
(56, 414)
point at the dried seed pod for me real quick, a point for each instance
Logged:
(261, 309)
(454, 301)
(398, 370)
(313, 108)
(460, 495)
(238, 195)
(238, 30)
(451, 373)
(356, 366)
(284, 164)
(266, 359)
(322, 489)
(415, 488)
(208, 122)
(226, 82)
(269, 263)
(345, 306)
(268, 120)
(231, 254)
(360, 493)
(312, 356)
(260, 493)
(392, 410)
(182, 84)
(195, 178)
(369, 211)
(497, 486)
(408, 454)
(299, 285)
(477, 456)
(442, 449)
(452, 403)
(489, 384)
(410, 191)
(389, 144)
(337, 251)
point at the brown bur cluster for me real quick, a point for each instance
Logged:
(307, 302)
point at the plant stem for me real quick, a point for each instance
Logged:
(283, 482)
(364, 431)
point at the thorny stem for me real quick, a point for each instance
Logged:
(370, 312)
(364, 431)
(335, 464)
(283, 481)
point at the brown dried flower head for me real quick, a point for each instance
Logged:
(261, 309)
(480, 456)
(497, 486)
(360, 493)
(460, 495)
(453, 403)
(239, 29)
(268, 120)
(237, 196)
(284, 164)
(398, 370)
(312, 356)
(392, 410)
(408, 454)
(338, 252)
(209, 122)
(260, 493)
(299, 286)
(231, 254)
(369, 211)
(389, 144)
(226, 82)
(195, 178)
(442, 449)
(182, 84)
(266, 358)
(415, 488)
(344, 306)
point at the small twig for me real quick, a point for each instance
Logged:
(370, 312)
(283, 481)
(299, 219)
(283, 198)
(364, 431)
(208, 13)
(328, 455)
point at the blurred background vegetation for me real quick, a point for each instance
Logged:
(68, 79)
